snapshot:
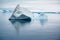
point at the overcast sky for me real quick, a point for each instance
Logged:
(33, 5)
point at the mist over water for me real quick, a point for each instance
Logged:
(41, 27)
(44, 24)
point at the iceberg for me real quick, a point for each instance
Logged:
(21, 14)
(43, 19)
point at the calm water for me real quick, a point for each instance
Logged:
(47, 28)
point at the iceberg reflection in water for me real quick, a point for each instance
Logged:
(17, 24)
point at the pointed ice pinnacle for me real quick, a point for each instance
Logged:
(19, 14)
